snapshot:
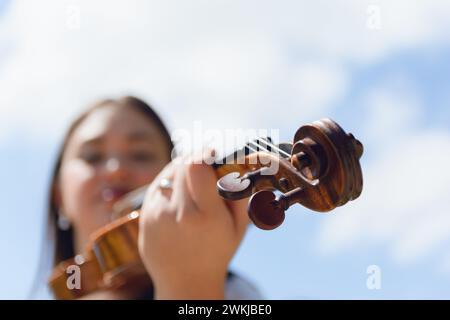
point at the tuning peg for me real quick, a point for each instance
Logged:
(234, 187)
(268, 212)
(265, 211)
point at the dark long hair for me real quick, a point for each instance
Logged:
(64, 239)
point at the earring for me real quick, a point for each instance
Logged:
(63, 222)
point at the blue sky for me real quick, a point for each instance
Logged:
(250, 65)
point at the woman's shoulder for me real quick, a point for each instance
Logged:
(239, 288)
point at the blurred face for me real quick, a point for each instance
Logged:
(113, 151)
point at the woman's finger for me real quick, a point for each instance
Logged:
(181, 199)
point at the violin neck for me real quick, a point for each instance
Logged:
(233, 162)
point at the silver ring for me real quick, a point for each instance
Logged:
(165, 183)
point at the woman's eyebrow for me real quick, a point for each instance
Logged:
(93, 141)
(140, 136)
(132, 137)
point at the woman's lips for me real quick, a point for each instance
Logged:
(111, 195)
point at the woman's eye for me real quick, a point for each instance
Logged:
(92, 157)
(142, 156)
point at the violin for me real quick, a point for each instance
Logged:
(320, 170)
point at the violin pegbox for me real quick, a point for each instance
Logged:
(321, 173)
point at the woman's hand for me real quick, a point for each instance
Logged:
(188, 235)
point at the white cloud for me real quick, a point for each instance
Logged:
(404, 205)
(318, 85)
(393, 110)
(237, 58)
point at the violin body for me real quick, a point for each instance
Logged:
(111, 261)
(320, 170)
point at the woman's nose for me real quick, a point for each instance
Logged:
(112, 165)
(115, 168)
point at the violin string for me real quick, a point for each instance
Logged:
(252, 149)
(258, 146)
(274, 146)
(271, 145)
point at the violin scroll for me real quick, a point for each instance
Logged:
(321, 173)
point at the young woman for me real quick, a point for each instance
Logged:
(187, 233)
